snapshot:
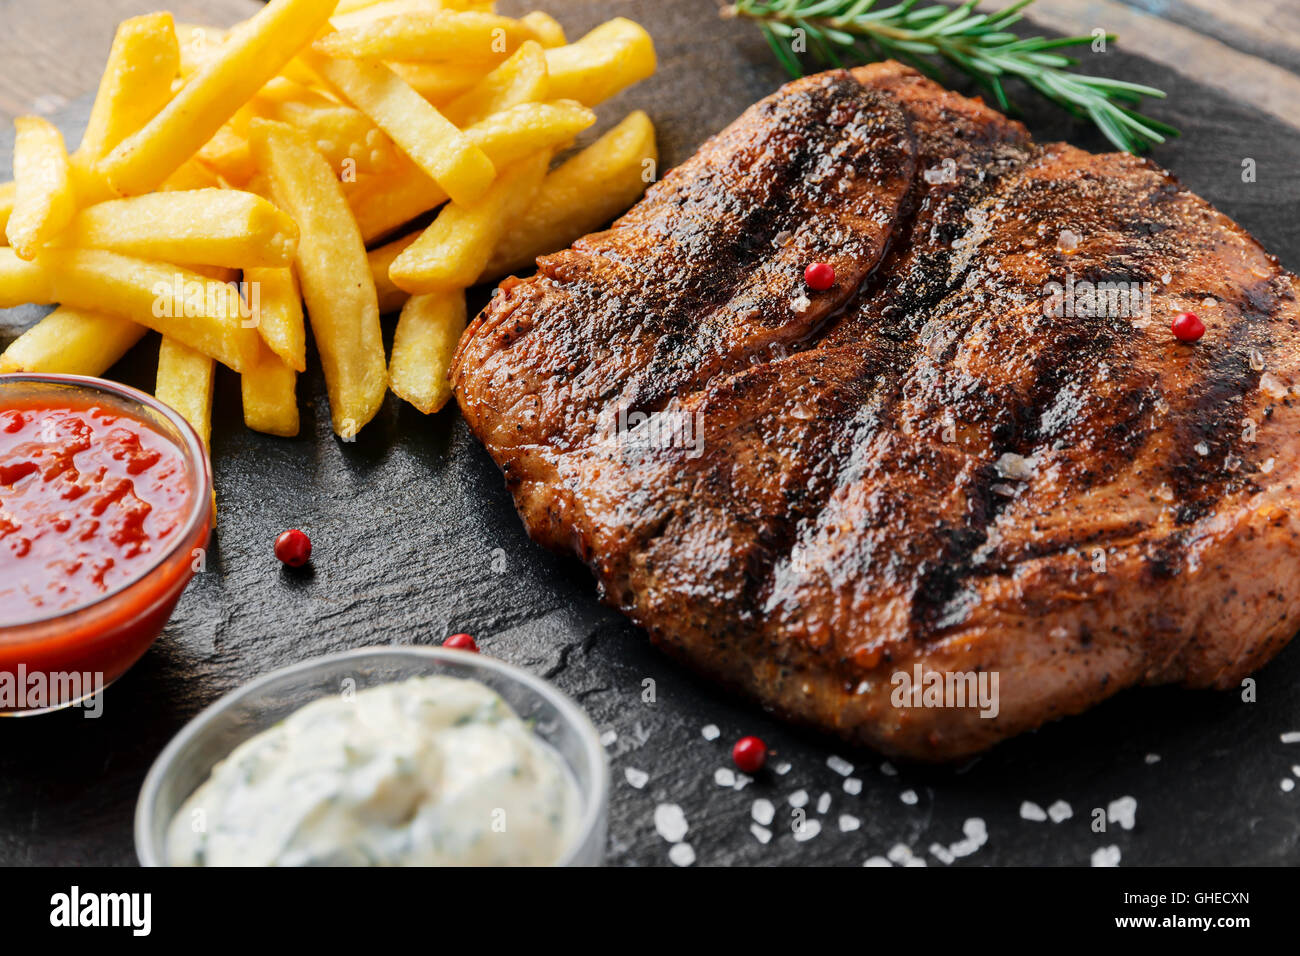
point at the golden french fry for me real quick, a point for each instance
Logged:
(137, 83)
(223, 227)
(349, 15)
(270, 402)
(274, 298)
(251, 55)
(455, 249)
(205, 314)
(340, 133)
(388, 201)
(44, 200)
(185, 382)
(191, 175)
(520, 79)
(227, 153)
(7, 192)
(440, 82)
(580, 196)
(332, 267)
(23, 281)
(423, 346)
(414, 124)
(199, 46)
(72, 341)
(443, 35)
(611, 57)
(545, 28)
(391, 298)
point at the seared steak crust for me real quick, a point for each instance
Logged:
(926, 464)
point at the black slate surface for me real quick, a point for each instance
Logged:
(415, 538)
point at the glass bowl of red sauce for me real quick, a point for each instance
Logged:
(105, 511)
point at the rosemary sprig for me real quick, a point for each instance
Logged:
(978, 44)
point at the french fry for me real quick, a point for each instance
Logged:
(423, 346)
(456, 248)
(277, 303)
(610, 58)
(442, 151)
(251, 56)
(270, 402)
(520, 79)
(72, 341)
(580, 196)
(223, 227)
(227, 153)
(137, 83)
(332, 267)
(44, 200)
(391, 298)
(397, 197)
(185, 382)
(199, 46)
(341, 133)
(442, 36)
(191, 175)
(347, 15)
(205, 314)
(545, 28)
(7, 193)
(440, 82)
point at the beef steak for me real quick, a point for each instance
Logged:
(981, 451)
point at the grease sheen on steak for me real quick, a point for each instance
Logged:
(922, 465)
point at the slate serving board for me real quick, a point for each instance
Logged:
(415, 538)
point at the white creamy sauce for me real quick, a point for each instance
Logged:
(431, 771)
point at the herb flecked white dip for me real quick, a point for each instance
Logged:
(430, 771)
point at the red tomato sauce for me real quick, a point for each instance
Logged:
(90, 500)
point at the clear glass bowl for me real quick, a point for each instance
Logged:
(107, 635)
(188, 760)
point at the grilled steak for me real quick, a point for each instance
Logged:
(980, 451)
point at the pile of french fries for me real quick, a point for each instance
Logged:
(287, 153)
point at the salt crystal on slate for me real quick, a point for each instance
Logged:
(853, 786)
(809, 830)
(682, 854)
(1152, 758)
(888, 769)
(1296, 769)
(761, 834)
(1060, 811)
(724, 777)
(940, 853)
(743, 781)
(1106, 856)
(1291, 737)
(798, 799)
(670, 821)
(608, 737)
(839, 765)
(1032, 811)
(762, 811)
(909, 797)
(1287, 784)
(977, 835)
(900, 853)
(1122, 811)
(710, 732)
(849, 823)
(823, 803)
(637, 778)
(876, 861)
(782, 769)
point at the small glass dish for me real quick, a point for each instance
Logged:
(102, 638)
(188, 759)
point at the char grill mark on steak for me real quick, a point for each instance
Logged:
(846, 516)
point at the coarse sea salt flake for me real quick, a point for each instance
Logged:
(1105, 856)
(724, 777)
(876, 861)
(670, 822)
(900, 853)
(608, 737)
(1287, 784)
(1152, 758)
(636, 778)
(682, 854)
(1122, 811)
(853, 786)
(808, 830)
(798, 799)
(839, 765)
(1291, 737)
(849, 823)
(940, 853)
(823, 803)
(761, 834)
(1032, 811)
(783, 768)
(710, 732)
(888, 769)
(1060, 811)
(909, 797)
(762, 811)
